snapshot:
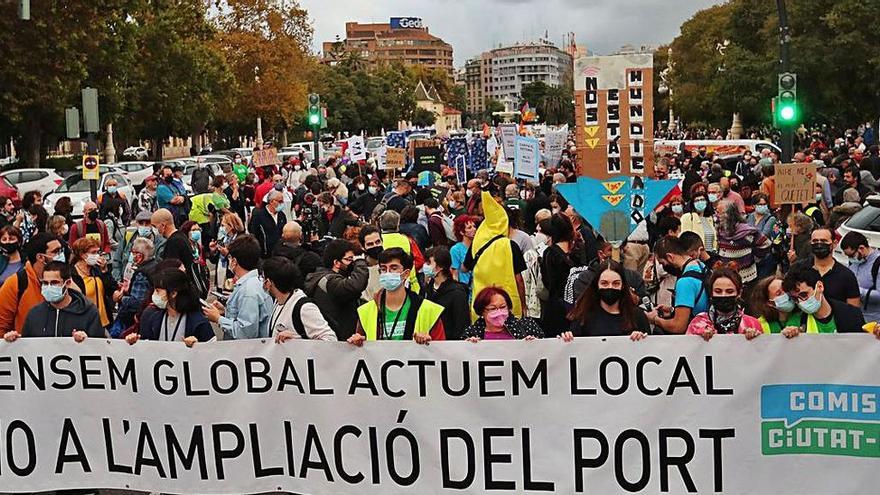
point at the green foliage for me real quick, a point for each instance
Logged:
(832, 50)
(552, 104)
(423, 118)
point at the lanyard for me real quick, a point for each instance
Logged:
(386, 335)
(276, 315)
(176, 327)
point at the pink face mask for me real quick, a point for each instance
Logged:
(497, 317)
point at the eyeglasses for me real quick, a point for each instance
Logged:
(495, 308)
(348, 259)
(803, 296)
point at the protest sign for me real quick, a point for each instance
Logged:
(357, 150)
(554, 143)
(427, 158)
(795, 184)
(614, 108)
(527, 159)
(479, 154)
(395, 158)
(508, 138)
(265, 158)
(461, 169)
(666, 415)
(456, 147)
(381, 155)
(491, 145)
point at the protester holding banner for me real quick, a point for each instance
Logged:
(496, 321)
(725, 314)
(607, 308)
(442, 289)
(691, 297)
(175, 315)
(777, 312)
(294, 316)
(823, 315)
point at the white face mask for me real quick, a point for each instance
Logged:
(159, 301)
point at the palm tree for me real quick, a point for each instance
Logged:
(354, 61)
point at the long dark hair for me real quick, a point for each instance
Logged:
(186, 297)
(588, 304)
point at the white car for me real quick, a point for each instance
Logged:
(137, 172)
(78, 191)
(866, 222)
(189, 166)
(136, 153)
(44, 180)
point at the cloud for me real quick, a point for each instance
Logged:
(474, 26)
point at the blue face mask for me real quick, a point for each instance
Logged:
(677, 209)
(811, 305)
(700, 205)
(713, 197)
(145, 231)
(111, 189)
(762, 209)
(51, 293)
(784, 303)
(390, 281)
(428, 270)
(221, 232)
(195, 235)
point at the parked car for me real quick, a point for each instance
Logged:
(866, 222)
(136, 153)
(7, 190)
(78, 190)
(137, 172)
(44, 180)
(224, 161)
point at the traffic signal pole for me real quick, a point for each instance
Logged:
(784, 38)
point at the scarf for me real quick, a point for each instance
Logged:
(728, 323)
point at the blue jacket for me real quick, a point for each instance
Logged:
(196, 325)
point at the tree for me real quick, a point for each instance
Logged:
(492, 106)
(553, 104)
(423, 118)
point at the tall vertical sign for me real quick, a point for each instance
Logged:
(614, 108)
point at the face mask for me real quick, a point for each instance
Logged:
(713, 197)
(677, 209)
(221, 232)
(9, 247)
(762, 209)
(497, 317)
(700, 205)
(361, 187)
(195, 235)
(278, 187)
(144, 231)
(855, 260)
(373, 190)
(452, 204)
(428, 270)
(725, 304)
(159, 301)
(390, 281)
(93, 215)
(672, 270)
(374, 252)
(111, 189)
(60, 257)
(469, 192)
(784, 303)
(818, 196)
(610, 296)
(52, 294)
(821, 250)
(92, 259)
(811, 305)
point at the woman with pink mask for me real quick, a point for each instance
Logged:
(496, 322)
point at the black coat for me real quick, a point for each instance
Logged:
(266, 229)
(453, 296)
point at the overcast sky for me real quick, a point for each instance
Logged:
(474, 26)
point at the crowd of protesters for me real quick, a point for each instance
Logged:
(341, 250)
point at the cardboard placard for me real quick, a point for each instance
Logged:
(427, 158)
(795, 184)
(395, 158)
(614, 108)
(527, 159)
(264, 158)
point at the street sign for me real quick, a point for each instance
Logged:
(90, 168)
(91, 123)
(71, 117)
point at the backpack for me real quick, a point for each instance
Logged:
(22, 277)
(380, 208)
(296, 314)
(703, 276)
(875, 269)
(573, 275)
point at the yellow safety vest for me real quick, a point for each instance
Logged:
(812, 327)
(396, 240)
(426, 317)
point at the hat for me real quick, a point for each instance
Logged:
(151, 178)
(143, 216)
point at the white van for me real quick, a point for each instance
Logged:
(720, 148)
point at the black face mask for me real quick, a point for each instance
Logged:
(9, 247)
(724, 304)
(672, 270)
(610, 296)
(374, 252)
(93, 215)
(821, 250)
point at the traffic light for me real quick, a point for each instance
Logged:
(314, 109)
(786, 102)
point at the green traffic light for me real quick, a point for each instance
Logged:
(314, 119)
(787, 113)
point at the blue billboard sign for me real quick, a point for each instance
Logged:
(406, 23)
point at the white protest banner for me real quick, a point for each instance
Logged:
(554, 143)
(381, 154)
(527, 159)
(508, 137)
(599, 416)
(491, 145)
(357, 150)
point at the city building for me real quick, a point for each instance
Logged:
(402, 39)
(501, 73)
(447, 118)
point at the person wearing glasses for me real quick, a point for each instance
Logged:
(64, 313)
(821, 313)
(398, 313)
(20, 293)
(497, 322)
